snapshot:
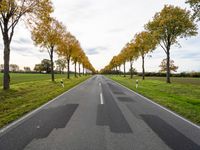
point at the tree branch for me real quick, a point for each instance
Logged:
(163, 47)
(2, 31)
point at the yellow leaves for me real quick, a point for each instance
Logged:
(67, 45)
(195, 5)
(145, 42)
(172, 22)
(165, 28)
(32, 11)
(163, 66)
(47, 34)
(69, 48)
(40, 8)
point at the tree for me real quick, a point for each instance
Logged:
(47, 35)
(11, 12)
(123, 56)
(14, 68)
(80, 61)
(114, 63)
(66, 47)
(75, 57)
(61, 64)
(169, 25)
(1, 67)
(87, 65)
(128, 53)
(119, 62)
(46, 65)
(195, 5)
(132, 54)
(163, 66)
(145, 42)
(27, 69)
(39, 68)
(133, 70)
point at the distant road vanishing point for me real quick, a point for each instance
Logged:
(100, 114)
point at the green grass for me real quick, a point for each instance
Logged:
(182, 96)
(20, 77)
(28, 92)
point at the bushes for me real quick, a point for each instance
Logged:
(182, 74)
(159, 74)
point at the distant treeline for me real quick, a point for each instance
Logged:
(158, 74)
(35, 72)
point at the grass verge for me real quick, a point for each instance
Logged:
(182, 96)
(29, 95)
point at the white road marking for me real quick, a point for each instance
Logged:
(191, 123)
(101, 98)
(4, 129)
(99, 84)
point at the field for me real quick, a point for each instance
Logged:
(29, 91)
(182, 96)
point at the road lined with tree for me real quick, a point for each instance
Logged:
(13, 11)
(99, 114)
(47, 32)
(166, 28)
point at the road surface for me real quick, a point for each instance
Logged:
(99, 114)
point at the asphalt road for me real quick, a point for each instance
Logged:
(99, 114)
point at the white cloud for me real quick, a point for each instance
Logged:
(103, 28)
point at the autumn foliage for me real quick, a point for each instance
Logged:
(165, 30)
(47, 33)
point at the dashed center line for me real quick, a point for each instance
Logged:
(101, 99)
(101, 96)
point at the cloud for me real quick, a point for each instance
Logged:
(1, 46)
(193, 56)
(95, 50)
(103, 28)
(22, 40)
(116, 30)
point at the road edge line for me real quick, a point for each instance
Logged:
(7, 127)
(164, 108)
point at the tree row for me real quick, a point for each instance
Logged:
(164, 30)
(47, 32)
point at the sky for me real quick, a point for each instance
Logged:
(103, 27)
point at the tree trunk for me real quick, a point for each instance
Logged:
(6, 77)
(131, 69)
(143, 70)
(75, 69)
(168, 66)
(68, 68)
(124, 69)
(120, 70)
(79, 68)
(52, 64)
(83, 70)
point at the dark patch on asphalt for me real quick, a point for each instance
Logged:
(115, 89)
(134, 110)
(172, 137)
(102, 117)
(110, 115)
(37, 127)
(125, 99)
(118, 92)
